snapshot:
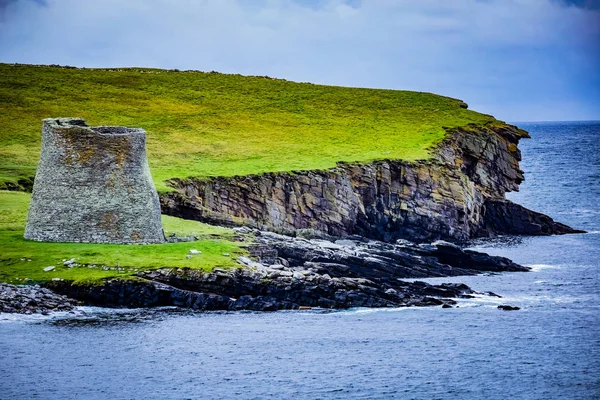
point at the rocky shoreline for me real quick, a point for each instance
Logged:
(287, 273)
(32, 299)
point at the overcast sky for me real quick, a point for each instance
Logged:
(520, 60)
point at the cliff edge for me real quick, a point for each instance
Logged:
(457, 194)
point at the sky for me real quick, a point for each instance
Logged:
(519, 60)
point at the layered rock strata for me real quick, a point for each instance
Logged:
(457, 195)
(93, 185)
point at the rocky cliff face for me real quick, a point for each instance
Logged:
(488, 156)
(456, 195)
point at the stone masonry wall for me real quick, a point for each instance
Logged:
(93, 185)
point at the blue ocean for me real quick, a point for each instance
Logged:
(549, 349)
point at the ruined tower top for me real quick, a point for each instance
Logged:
(93, 185)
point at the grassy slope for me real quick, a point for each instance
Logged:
(203, 124)
(20, 258)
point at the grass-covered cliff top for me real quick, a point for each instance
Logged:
(207, 124)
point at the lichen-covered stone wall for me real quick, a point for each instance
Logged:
(93, 185)
(457, 195)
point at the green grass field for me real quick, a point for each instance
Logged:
(23, 260)
(211, 124)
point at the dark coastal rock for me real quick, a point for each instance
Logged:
(32, 299)
(508, 308)
(508, 218)
(457, 195)
(374, 259)
(292, 273)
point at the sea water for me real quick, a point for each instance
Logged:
(549, 349)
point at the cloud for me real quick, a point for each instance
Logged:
(516, 59)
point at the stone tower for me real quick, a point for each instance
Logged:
(93, 185)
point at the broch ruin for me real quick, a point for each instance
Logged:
(93, 185)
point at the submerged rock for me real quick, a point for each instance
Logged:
(508, 308)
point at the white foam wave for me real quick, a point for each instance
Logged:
(362, 310)
(482, 299)
(539, 267)
(80, 312)
(105, 310)
(475, 304)
(15, 317)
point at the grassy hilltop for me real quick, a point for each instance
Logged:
(211, 124)
(198, 124)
